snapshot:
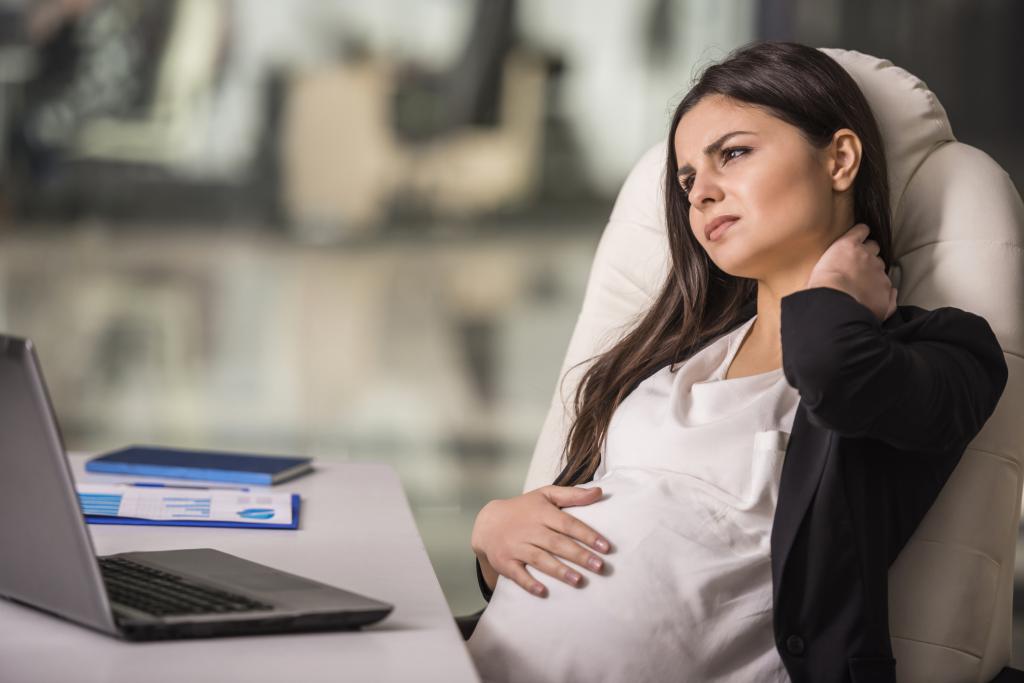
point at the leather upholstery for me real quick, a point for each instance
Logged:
(958, 228)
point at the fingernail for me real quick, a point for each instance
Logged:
(602, 545)
(537, 589)
(573, 576)
(594, 564)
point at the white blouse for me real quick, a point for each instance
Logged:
(690, 476)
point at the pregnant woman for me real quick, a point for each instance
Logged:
(777, 334)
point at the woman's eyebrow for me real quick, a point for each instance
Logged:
(714, 147)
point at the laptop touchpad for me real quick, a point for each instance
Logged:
(265, 581)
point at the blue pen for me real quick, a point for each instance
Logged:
(155, 485)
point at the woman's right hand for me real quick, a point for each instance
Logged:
(531, 528)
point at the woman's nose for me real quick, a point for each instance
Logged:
(704, 189)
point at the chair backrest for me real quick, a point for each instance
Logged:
(958, 224)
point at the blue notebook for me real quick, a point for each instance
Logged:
(239, 468)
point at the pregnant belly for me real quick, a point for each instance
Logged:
(685, 591)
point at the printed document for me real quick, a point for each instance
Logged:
(169, 503)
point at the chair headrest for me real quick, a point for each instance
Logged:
(909, 116)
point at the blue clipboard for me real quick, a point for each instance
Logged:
(103, 519)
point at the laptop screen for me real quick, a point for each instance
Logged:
(49, 560)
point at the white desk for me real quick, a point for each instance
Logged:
(356, 532)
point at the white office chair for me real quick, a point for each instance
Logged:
(957, 240)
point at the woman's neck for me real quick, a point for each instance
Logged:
(763, 344)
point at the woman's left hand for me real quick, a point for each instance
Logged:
(852, 265)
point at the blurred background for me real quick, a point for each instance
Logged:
(361, 229)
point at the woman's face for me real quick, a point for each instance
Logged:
(792, 200)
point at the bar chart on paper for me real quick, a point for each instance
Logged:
(119, 503)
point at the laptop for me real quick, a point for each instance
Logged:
(49, 562)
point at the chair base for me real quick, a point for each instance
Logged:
(467, 623)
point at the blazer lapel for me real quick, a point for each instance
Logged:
(806, 453)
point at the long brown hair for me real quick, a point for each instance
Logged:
(798, 84)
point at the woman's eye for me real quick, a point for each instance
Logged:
(687, 183)
(727, 150)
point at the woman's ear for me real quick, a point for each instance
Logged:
(843, 155)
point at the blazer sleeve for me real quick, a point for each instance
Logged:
(487, 592)
(927, 384)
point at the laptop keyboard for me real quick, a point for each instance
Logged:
(161, 593)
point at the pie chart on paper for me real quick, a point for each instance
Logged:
(256, 513)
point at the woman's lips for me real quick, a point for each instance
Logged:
(720, 230)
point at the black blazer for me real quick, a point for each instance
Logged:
(886, 411)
